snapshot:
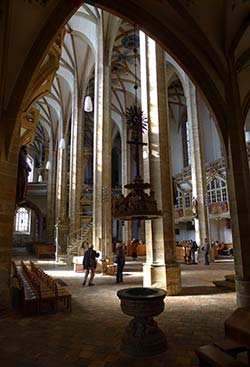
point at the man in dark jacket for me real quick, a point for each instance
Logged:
(89, 264)
(120, 261)
(193, 248)
(206, 248)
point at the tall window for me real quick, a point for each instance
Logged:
(23, 220)
(30, 162)
(179, 199)
(217, 191)
(186, 144)
(187, 197)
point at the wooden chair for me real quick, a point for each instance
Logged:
(30, 296)
(62, 294)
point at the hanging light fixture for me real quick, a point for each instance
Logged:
(137, 205)
(61, 144)
(88, 105)
(48, 165)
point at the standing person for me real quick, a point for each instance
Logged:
(206, 249)
(89, 264)
(193, 248)
(120, 261)
(134, 244)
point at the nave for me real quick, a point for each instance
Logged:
(90, 336)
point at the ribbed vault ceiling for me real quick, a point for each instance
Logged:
(77, 66)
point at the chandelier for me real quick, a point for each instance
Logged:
(137, 205)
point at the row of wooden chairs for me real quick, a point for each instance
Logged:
(38, 288)
(61, 294)
(46, 295)
(29, 295)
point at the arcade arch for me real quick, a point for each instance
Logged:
(214, 78)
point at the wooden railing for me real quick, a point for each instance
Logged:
(79, 239)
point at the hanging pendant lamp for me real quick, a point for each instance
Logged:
(88, 105)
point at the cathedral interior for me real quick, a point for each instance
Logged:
(120, 122)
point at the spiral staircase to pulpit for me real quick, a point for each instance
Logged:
(79, 239)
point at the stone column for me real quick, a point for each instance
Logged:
(164, 270)
(87, 153)
(8, 173)
(239, 194)
(107, 156)
(126, 178)
(98, 143)
(51, 196)
(198, 170)
(102, 150)
(8, 177)
(141, 224)
(76, 159)
(62, 226)
(61, 235)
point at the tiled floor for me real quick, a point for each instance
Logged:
(90, 336)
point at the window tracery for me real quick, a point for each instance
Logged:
(23, 220)
(186, 144)
(30, 162)
(217, 191)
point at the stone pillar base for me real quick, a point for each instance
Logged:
(242, 292)
(142, 338)
(163, 276)
(62, 231)
(173, 272)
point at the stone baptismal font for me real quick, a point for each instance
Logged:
(142, 337)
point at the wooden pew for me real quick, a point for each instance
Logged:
(44, 249)
(211, 355)
(237, 340)
(237, 327)
(230, 346)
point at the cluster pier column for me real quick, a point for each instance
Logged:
(102, 219)
(126, 178)
(238, 186)
(62, 226)
(51, 189)
(102, 150)
(76, 159)
(8, 181)
(107, 158)
(8, 172)
(162, 270)
(198, 171)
